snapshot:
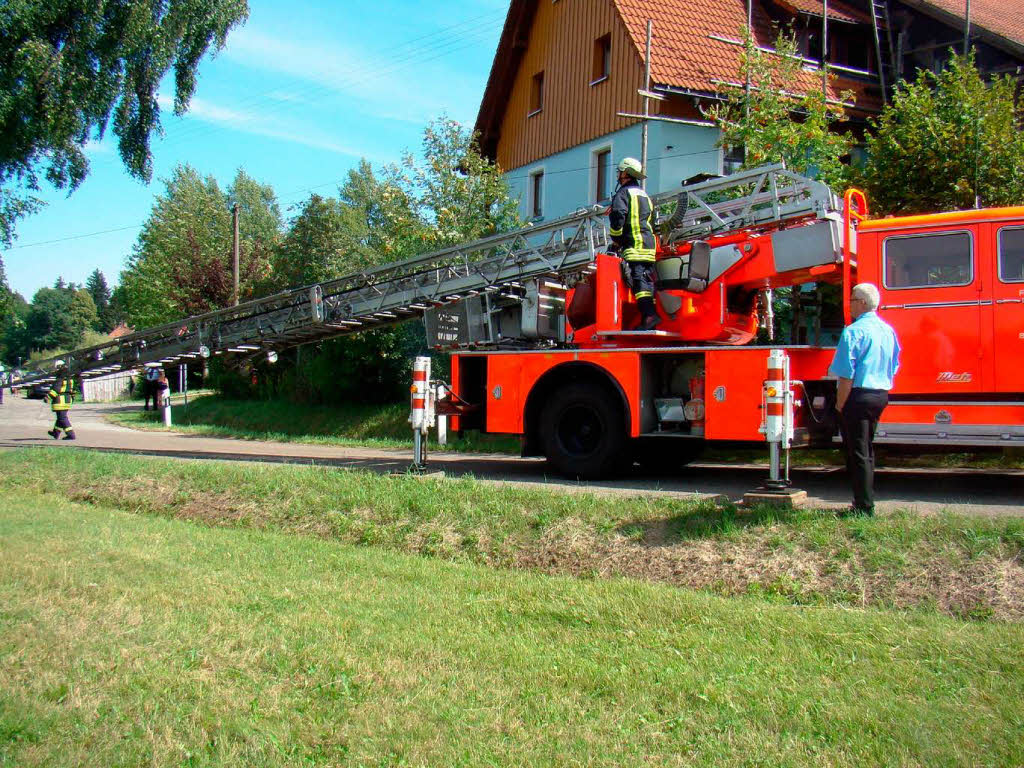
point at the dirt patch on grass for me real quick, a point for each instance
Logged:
(986, 587)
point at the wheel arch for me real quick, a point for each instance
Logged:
(560, 376)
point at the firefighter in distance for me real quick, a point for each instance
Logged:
(629, 222)
(61, 396)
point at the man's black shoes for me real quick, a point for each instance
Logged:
(54, 434)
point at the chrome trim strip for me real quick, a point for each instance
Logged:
(931, 304)
(958, 404)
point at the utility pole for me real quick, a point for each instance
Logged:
(967, 28)
(234, 269)
(824, 49)
(647, 106)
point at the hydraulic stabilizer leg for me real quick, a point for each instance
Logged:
(778, 405)
(422, 413)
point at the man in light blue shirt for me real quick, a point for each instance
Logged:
(866, 362)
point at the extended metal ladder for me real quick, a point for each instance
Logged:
(386, 295)
(372, 298)
(760, 197)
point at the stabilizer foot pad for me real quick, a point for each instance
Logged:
(788, 497)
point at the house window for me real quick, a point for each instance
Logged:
(931, 260)
(733, 158)
(603, 163)
(602, 62)
(536, 194)
(537, 93)
(1011, 255)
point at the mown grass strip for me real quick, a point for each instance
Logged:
(129, 640)
(967, 567)
(385, 426)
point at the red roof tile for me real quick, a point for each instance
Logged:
(691, 47)
(836, 10)
(1004, 18)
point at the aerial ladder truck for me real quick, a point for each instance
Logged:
(539, 326)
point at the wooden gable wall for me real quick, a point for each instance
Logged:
(561, 44)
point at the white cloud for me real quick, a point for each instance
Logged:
(261, 124)
(406, 83)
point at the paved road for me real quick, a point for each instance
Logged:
(983, 492)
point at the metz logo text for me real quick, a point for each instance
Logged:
(948, 377)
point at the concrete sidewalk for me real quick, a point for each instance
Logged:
(23, 423)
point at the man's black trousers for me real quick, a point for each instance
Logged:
(857, 422)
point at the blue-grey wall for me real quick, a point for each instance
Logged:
(675, 152)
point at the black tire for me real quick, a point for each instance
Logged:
(663, 456)
(583, 431)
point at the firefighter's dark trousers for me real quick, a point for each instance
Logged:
(641, 282)
(63, 423)
(857, 422)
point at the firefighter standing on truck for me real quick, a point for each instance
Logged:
(61, 396)
(630, 228)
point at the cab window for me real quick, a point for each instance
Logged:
(1011, 255)
(929, 260)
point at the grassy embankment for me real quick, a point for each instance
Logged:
(129, 639)
(966, 567)
(387, 426)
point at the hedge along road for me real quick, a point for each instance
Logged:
(23, 423)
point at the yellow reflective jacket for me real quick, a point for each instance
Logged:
(61, 394)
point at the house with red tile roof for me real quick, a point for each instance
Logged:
(563, 100)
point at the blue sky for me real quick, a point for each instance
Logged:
(300, 93)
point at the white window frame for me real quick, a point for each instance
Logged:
(918, 236)
(594, 152)
(531, 191)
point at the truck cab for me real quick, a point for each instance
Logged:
(952, 286)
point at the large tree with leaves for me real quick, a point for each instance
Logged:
(182, 260)
(447, 195)
(946, 141)
(71, 68)
(781, 117)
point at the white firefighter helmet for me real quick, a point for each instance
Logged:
(631, 166)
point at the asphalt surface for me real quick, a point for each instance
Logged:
(23, 423)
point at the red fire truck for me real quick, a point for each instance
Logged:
(594, 395)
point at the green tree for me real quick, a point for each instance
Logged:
(449, 195)
(946, 141)
(96, 285)
(455, 188)
(779, 118)
(69, 69)
(14, 341)
(181, 264)
(58, 317)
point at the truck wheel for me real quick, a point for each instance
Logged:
(583, 432)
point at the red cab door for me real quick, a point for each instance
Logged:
(932, 295)
(1008, 306)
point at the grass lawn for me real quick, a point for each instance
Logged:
(960, 566)
(130, 639)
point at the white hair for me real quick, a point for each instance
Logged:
(868, 293)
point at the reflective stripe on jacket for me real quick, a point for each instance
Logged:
(61, 395)
(630, 223)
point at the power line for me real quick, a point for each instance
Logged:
(297, 193)
(75, 237)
